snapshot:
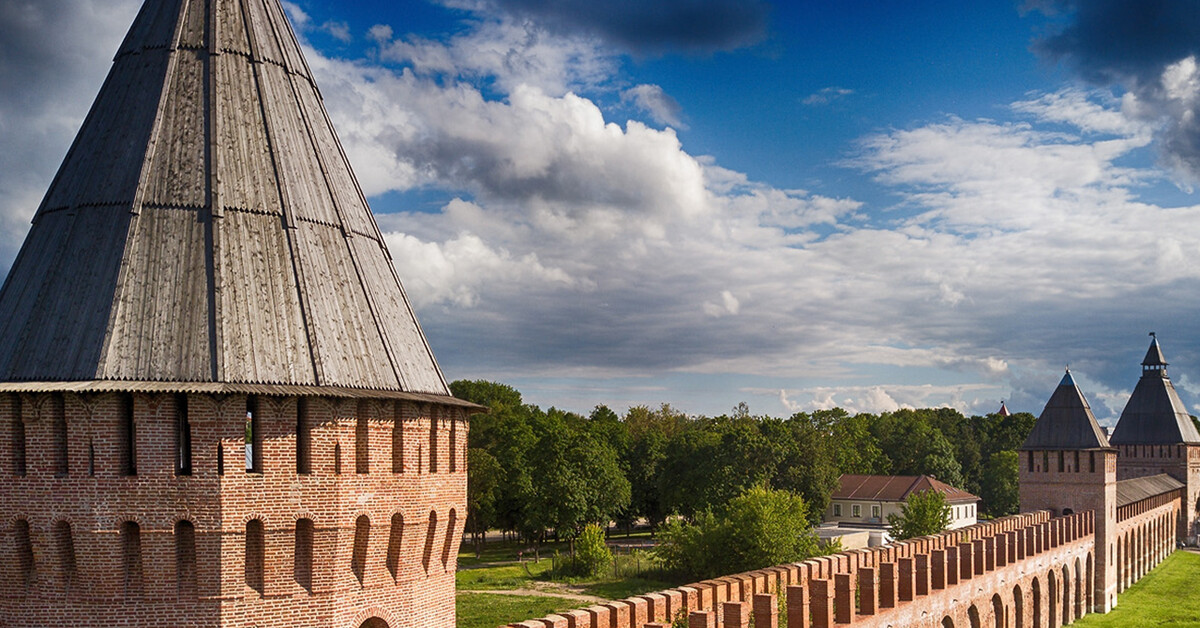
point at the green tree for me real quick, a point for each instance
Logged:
(483, 493)
(507, 435)
(592, 555)
(922, 514)
(576, 478)
(1000, 488)
(807, 463)
(760, 528)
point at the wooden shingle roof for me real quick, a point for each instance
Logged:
(1154, 415)
(1066, 422)
(1137, 489)
(206, 226)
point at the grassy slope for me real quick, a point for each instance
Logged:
(497, 569)
(1167, 596)
(484, 610)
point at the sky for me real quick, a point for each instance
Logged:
(797, 205)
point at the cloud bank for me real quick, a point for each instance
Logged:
(1147, 49)
(579, 245)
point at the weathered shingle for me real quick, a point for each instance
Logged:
(1154, 414)
(1137, 489)
(206, 226)
(1066, 422)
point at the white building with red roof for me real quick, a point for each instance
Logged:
(865, 501)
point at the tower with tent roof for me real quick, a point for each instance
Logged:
(1155, 435)
(217, 407)
(1067, 465)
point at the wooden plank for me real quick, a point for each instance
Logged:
(264, 337)
(160, 326)
(193, 36)
(247, 178)
(344, 334)
(177, 175)
(153, 28)
(64, 309)
(418, 368)
(105, 163)
(231, 31)
(307, 195)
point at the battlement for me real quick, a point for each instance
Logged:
(195, 509)
(1029, 566)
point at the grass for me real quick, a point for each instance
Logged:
(486, 610)
(1164, 597)
(498, 569)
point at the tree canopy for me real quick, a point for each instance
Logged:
(536, 471)
(922, 514)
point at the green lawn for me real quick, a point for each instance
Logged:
(487, 610)
(498, 569)
(1167, 596)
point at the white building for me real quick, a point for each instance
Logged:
(863, 502)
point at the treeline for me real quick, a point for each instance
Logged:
(533, 471)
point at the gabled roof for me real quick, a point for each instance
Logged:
(895, 488)
(206, 226)
(1066, 422)
(1137, 489)
(1154, 414)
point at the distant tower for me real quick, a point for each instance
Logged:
(1156, 435)
(1067, 466)
(216, 405)
(1003, 411)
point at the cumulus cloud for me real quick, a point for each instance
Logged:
(582, 245)
(889, 398)
(338, 30)
(647, 27)
(617, 247)
(506, 51)
(656, 102)
(1147, 49)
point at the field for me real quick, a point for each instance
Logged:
(498, 587)
(1167, 596)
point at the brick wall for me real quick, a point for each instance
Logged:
(73, 565)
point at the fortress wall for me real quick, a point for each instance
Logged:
(88, 543)
(1005, 567)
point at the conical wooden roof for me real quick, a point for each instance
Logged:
(1066, 422)
(1155, 415)
(206, 226)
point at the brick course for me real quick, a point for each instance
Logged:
(82, 576)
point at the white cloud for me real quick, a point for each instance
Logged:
(656, 102)
(582, 245)
(826, 95)
(507, 51)
(338, 30)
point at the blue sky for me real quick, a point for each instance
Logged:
(700, 202)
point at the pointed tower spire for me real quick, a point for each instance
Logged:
(206, 227)
(1155, 415)
(1154, 360)
(1066, 422)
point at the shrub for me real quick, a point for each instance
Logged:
(592, 555)
(759, 528)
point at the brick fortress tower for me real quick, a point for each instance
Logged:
(1068, 466)
(1156, 435)
(216, 405)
